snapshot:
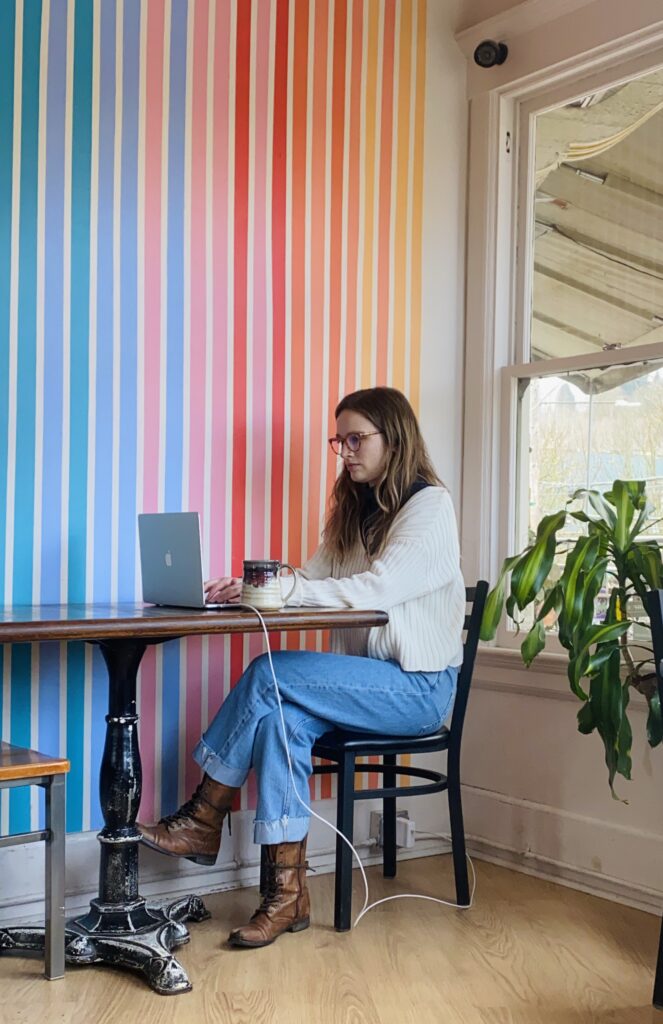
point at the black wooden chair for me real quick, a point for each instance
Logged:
(655, 610)
(344, 747)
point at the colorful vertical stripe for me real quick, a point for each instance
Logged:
(211, 218)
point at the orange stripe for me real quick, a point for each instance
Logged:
(402, 177)
(384, 209)
(417, 206)
(298, 284)
(319, 144)
(369, 186)
(354, 171)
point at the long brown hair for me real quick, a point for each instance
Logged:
(407, 461)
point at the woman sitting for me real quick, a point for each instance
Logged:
(390, 542)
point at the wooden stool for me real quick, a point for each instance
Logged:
(22, 767)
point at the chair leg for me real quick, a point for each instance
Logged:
(55, 879)
(658, 980)
(458, 841)
(345, 824)
(389, 821)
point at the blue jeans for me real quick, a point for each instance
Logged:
(318, 691)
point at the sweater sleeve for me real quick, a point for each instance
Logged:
(318, 566)
(421, 555)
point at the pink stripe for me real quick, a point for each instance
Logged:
(217, 685)
(259, 425)
(193, 709)
(153, 253)
(198, 326)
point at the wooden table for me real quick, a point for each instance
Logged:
(120, 928)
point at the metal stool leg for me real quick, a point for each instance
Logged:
(55, 920)
(389, 821)
(345, 824)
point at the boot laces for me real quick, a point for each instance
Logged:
(187, 810)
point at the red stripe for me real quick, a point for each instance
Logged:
(338, 143)
(242, 88)
(279, 184)
(299, 131)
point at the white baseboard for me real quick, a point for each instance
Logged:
(590, 854)
(163, 878)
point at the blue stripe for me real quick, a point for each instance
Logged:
(19, 799)
(49, 705)
(174, 371)
(75, 734)
(129, 307)
(51, 543)
(104, 388)
(27, 319)
(98, 711)
(103, 412)
(7, 29)
(78, 382)
(80, 298)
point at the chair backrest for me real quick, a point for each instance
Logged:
(476, 598)
(655, 610)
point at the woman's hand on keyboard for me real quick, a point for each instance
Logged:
(223, 590)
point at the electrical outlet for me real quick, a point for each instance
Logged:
(405, 831)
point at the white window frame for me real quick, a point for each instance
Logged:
(500, 194)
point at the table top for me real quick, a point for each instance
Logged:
(31, 623)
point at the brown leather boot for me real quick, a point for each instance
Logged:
(193, 831)
(285, 905)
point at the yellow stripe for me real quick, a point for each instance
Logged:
(402, 174)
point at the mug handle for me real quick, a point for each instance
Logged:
(286, 565)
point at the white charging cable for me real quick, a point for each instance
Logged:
(366, 907)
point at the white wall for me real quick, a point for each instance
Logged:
(536, 792)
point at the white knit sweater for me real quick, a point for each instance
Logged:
(416, 579)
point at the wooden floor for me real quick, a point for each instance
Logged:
(529, 952)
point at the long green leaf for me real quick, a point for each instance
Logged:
(533, 643)
(532, 570)
(492, 612)
(621, 498)
(579, 561)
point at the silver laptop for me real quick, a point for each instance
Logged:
(171, 560)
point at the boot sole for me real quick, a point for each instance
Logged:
(298, 926)
(201, 858)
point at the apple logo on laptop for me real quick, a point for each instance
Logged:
(168, 559)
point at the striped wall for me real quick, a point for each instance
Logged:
(210, 230)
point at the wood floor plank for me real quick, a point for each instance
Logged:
(529, 952)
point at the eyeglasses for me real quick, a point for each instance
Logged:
(351, 441)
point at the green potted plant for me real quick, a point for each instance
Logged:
(608, 656)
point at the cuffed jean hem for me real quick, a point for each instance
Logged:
(283, 830)
(213, 766)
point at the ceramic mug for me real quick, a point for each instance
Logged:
(261, 584)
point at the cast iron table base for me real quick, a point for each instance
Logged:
(120, 929)
(141, 937)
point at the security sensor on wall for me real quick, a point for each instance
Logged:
(489, 53)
